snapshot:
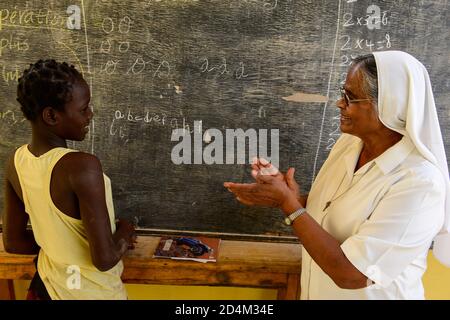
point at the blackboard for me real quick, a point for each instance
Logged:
(159, 65)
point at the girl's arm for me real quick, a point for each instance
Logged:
(87, 182)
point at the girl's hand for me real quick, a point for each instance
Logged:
(127, 231)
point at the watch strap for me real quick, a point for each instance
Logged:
(294, 215)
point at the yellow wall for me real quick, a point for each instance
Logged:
(436, 282)
(157, 292)
(139, 292)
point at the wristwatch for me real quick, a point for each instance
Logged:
(290, 218)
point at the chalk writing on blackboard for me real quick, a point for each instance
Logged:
(156, 66)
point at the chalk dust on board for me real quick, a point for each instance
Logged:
(305, 97)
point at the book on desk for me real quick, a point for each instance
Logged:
(200, 249)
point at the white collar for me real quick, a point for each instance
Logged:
(387, 161)
(395, 155)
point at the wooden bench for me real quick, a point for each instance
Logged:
(239, 264)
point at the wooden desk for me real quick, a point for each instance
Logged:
(239, 264)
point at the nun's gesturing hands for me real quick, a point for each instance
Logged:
(271, 188)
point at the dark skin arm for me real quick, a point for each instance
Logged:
(82, 179)
(282, 192)
(16, 237)
(86, 180)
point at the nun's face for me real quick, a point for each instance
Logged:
(359, 115)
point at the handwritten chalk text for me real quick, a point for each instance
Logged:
(13, 43)
(29, 18)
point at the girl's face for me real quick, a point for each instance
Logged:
(77, 114)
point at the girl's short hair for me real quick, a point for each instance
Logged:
(46, 83)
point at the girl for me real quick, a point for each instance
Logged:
(63, 192)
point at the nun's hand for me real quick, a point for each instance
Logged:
(268, 191)
(264, 167)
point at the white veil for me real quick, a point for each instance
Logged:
(406, 105)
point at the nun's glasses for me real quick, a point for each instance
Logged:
(347, 100)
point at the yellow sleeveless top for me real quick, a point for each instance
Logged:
(64, 262)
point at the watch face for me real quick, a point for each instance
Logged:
(287, 221)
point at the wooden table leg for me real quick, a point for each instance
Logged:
(7, 290)
(292, 290)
